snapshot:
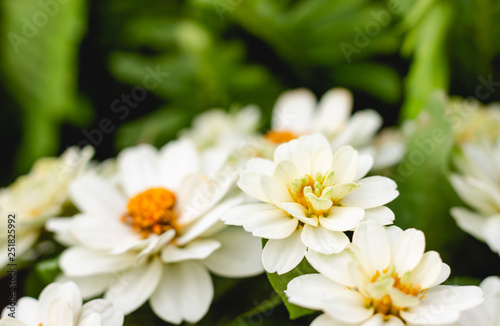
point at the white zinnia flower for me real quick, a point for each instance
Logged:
(298, 113)
(38, 195)
(479, 187)
(310, 197)
(60, 304)
(382, 278)
(154, 233)
(487, 314)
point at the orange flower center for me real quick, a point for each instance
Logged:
(278, 137)
(152, 211)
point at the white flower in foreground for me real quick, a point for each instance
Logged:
(60, 304)
(310, 197)
(38, 195)
(487, 314)
(154, 233)
(297, 113)
(479, 187)
(382, 278)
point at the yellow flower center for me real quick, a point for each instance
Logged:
(315, 194)
(278, 137)
(152, 211)
(385, 306)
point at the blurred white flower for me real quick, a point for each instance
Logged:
(38, 195)
(154, 233)
(487, 314)
(382, 278)
(298, 113)
(310, 197)
(478, 185)
(60, 304)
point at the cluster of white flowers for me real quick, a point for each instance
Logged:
(160, 222)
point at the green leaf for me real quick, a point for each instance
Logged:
(48, 270)
(280, 282)
(39, 60)
(426, 195)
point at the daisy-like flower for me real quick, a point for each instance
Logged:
(154, 233)
(383, 278)
(487, 314)
(478, 185)
(309, 196)
(60, 304)
(38, 195)
(298, 113)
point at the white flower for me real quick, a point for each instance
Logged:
(487, 314)
(310, 197)
(382, 278)
(479, 187)
(38, 195)
(154, 233)
(60, 304)
(298, 113)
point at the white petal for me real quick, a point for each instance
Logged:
(281, 256)
(250, 184)
(428, 270)
(197, 249)
(99, 232)
(365, 163)
(138, 169)
(360, 129)
(394, 233)
(347, 306)
(342, 218)
(90, 286)
(135, 286)
(26, 310)
(443, 276)
(492, 232)
(7, 321)
(59, 312)
(339, 191)
(79, 261)
(469, 221)
(322, 158)
(91, 319)
(474, 193)
(371, 238)
(184, 293)
(374, 191)
(334, 109)
(285, 172)
(296, 152)
(272, 224)
(381, 214)
(208, 220)
(345, 164)
(60, 226)
(298, 211)
(91, 194)
(68, 305)
(325, 320)
(237, 215)
(408, 251)
(308, 290)
(293, 111)
(323, 240)
(275, 191)
(335, 267)
(110, 316)
(260, 166)
(239, 254)
(177, 160)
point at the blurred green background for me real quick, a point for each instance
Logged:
(147, 67)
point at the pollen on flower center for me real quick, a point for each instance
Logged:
(315, 194)
(278, 137)
(385, 305)
(152, 211)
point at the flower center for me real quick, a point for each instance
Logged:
(315, 194)
(152, 211)
(385, 305)
(278, 137)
